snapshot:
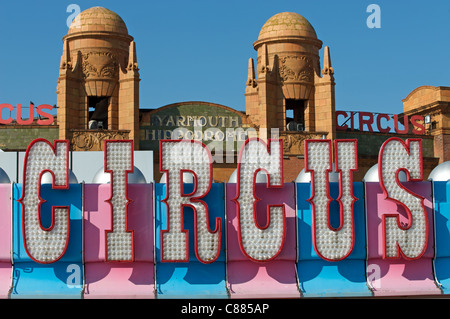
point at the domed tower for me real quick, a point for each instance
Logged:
(288, 90)
(98, 84)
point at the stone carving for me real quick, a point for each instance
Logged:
(89, 140)
(328, 71)
(99, 64)
(296, 68)
(293, 142)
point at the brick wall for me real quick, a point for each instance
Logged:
(369, 143)
(18, 137)
(442, 151)
(292, 166)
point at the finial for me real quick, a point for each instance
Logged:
(251, 73)
(265, 60)
(327, 68)
(65, 59)
(132, 60)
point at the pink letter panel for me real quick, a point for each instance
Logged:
(5, 240)
(118, 279)
(272, 279)
(390, 276)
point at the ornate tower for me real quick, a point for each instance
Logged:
(433, 103)
(288, 90)
(98, 84)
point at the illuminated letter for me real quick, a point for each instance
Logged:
(194, 157)
(10, 108)
(119, 162)
(363, 121)
(329, 243)
(406, 124)
(379, 117)
(30, 115)
(48, 117)
(417, 122)
(259, 243)
(409, 239)
(344, 126)
(44, 245)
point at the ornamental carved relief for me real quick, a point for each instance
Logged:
(87, 140)
(99, 64)
(296, 68)
(294, 143)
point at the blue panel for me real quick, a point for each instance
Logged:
(321, 278)
(193, 279)
(61, 279)
(441, 194)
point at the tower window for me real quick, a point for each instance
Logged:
(295, 115)
(98, 112)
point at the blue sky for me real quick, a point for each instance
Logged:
(198, 50)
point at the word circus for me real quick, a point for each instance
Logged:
(247, 239)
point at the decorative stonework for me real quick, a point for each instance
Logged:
(99, 64)
(287, 24)
(98, 19)
(89, 140)
(296, 68)
(328, 71)
(98, 61)
(294, 142)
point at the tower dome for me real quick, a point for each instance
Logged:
(287, 24)
(102, 38)
(288, 57)
(98, 19)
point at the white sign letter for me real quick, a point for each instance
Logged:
(119, 162)
(259, 243)
(329, 243)
(44, 245)
(193, 157)
(409, 238)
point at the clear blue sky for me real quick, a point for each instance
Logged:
(199, 49)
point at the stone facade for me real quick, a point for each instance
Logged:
(288, 78)
(289, 88)
(18, 137)
(98, 84)
(433, 103)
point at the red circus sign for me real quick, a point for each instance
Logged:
(379, 122)
(44, 118)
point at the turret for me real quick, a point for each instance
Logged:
(98, 84)
(291, 91)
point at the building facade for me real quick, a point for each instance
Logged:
(289, 93)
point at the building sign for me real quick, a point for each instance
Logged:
(379, 122)
(216, 126)
(313, 239)
(44, 118)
